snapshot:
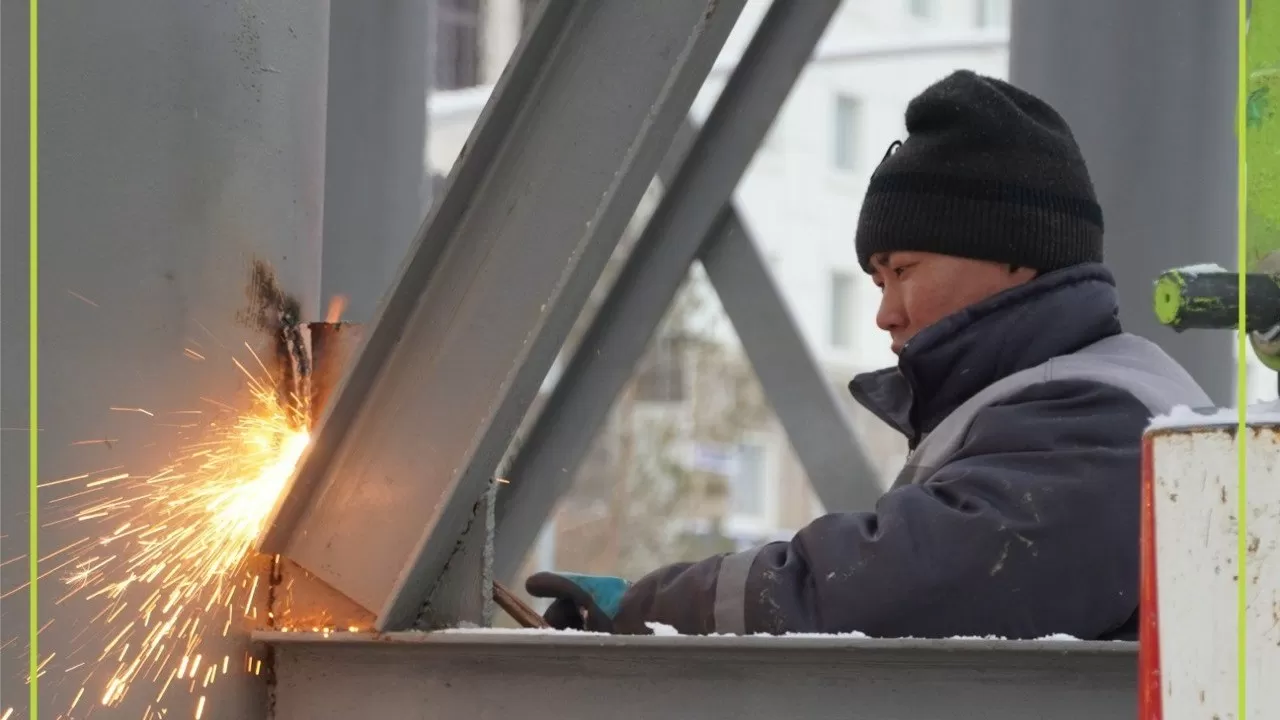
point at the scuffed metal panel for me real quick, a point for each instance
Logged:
(534, 675)
(1195, 471)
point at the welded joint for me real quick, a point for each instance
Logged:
(279, 314)
(462, 596)
(296, 599)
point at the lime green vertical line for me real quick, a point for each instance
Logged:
(1242, 357)
(33, 398)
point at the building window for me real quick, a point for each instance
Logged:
(458, 38)
(991, 13)
(922, 9)
(750, 499)
(841, 310)
(847, 129)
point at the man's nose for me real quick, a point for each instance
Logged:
(890, 316)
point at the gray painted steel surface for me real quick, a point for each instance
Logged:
(502, 267)
(538, 676)
(376, 186)
(1149, 89)
(179, 141)
(700, 186)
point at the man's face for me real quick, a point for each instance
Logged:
(919, 288)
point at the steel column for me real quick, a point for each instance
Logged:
(820, 430)
(376, 190)
(701, 184)
(547, 677)
(179, 141)
(1149, 91)
(461, 344)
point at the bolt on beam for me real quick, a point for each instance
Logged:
(505, 262)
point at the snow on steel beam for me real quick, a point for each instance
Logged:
(805, 402)
(539, 676)
(553, 171)
(701, 185)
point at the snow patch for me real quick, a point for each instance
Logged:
(855, 635)
(1201, 269)
(1181, 416)
(1046, 638)
(661, 629)
(512, 631)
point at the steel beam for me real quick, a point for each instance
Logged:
(532, 211)
(819, 429)
(1149, 90)
(613, 344)
(536, 676)
(376, 189)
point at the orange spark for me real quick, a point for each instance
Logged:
(82, 298)
(178, 540)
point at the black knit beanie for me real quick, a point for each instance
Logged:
(988, 172)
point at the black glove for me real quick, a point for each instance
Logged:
(580, 602)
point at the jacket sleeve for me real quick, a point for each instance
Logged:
(1030, 529)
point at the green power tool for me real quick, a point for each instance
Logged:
(1208, 296)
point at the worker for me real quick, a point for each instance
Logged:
(1022, 401)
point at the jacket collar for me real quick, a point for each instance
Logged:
(947, 363)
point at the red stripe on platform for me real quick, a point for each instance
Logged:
(1149, 695)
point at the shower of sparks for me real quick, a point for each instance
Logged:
(171, 568)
